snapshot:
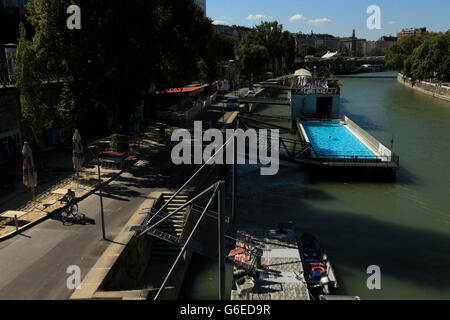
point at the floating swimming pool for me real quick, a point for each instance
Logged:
(334, 140)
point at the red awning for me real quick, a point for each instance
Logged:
(191, 91)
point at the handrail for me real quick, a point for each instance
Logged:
(189, 181)
(213, 196)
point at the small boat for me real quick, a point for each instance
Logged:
(319, 273)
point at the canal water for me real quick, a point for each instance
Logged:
(402, 227)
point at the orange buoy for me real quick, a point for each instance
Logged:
(322, 270)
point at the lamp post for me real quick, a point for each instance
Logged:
(95, 152)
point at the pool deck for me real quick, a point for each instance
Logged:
(282, 277)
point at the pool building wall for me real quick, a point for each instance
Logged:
(309, 105)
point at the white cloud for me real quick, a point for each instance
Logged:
(319, 22)
(221, 22)
(391, 22)
(256, 17)
(298, 17)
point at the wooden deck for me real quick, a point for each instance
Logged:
(280, 271)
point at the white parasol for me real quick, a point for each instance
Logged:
(29, 170)
(77, 150)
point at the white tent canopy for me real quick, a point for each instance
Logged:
(330, 55)
(302, 73)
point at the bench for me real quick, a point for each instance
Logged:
(15, 215)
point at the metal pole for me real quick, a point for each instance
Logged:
(101, 199)
(234, 187)
(221, 202)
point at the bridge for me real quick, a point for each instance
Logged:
(367, 77)
(249, 99)
(273, 86)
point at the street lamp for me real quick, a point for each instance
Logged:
(95, 152)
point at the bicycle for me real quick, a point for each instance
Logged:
(71, 209)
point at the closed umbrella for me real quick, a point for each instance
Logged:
(77, 150)
(29, 170)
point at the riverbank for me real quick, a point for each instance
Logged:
(433, 89)
(363, 223)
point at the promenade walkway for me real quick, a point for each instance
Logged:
(47, 202)
(34, 262)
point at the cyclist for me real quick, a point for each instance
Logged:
(71, 208)
(69, 197)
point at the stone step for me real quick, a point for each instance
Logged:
(179, 196)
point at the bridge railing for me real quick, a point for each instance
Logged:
(349, 157)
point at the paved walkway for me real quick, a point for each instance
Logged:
(47, 202)
(34, 263)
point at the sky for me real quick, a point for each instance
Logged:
(336, 17)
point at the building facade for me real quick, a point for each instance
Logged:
(317, 39)
(237, 32)
(202, 5)
(417, 32)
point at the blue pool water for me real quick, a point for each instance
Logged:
(333, 140)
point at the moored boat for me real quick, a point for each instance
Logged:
(319, 273)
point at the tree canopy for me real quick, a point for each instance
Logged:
(121, 50)
(422, 57)
(267, 47)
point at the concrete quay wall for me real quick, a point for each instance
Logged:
(432, 89)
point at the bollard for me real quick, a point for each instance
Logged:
(16, 222)
(162, 130)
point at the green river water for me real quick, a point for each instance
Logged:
(402, 227)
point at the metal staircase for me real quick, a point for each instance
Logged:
(167, 243)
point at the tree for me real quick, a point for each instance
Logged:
(343, 49)
(397, 54)
(305, 49)
(376, 52)
(322, 49)
(422, 57)
(279, 45)
(122, 49)
(253, 59)
(288, 45)
(269, 35)
(428, 59)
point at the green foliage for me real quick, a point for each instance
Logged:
(343, 49)
(396, 55)
(253, 59)
(267, 47)
(422, 57)
(322, 49)
(35, 111)
(306, 49)
(122, 49)
(376, 52)
(288, 54)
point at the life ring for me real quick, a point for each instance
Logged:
(322, 269)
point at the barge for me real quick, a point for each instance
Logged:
(268, 266)
(332, 142)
